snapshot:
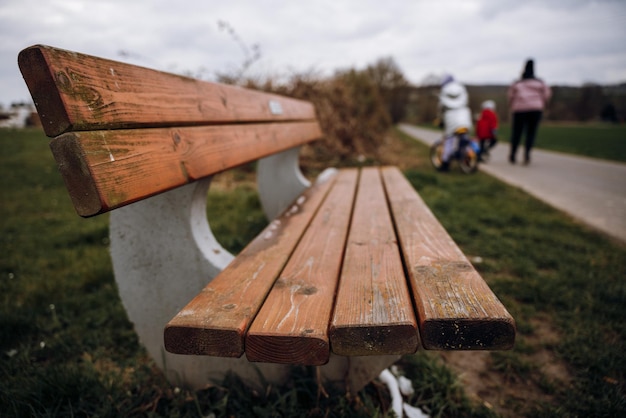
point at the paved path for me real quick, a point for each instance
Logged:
(592, 191)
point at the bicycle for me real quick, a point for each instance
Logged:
(466, 155)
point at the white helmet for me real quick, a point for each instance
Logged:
(453, 95)
(489, 104)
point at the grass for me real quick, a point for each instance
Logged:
(68, 349)
(597, 140)
(543, 265)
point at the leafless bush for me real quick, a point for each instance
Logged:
(354, 108)
(349, 107)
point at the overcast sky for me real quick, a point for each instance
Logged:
(478, 41)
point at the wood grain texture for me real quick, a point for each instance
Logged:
(78, 92)
(456, 308)
(214, 323)
(292, 325)
(104, 170)
(373, 311)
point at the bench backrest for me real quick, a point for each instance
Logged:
(123, 133)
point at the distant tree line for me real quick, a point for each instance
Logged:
(356, 107)
(590, 102)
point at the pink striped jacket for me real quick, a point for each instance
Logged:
(528, 94)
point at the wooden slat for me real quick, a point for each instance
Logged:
(292, 325)
(76, 92)
(215, 321)
(373, 312)
(104, 170)
(456, 308)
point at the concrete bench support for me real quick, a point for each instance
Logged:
(164, 253)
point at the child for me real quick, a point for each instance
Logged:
(456, 117)
(487, 126)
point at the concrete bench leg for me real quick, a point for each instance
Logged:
(164, 253)
(280, 181)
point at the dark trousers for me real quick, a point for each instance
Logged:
(487, 144)
(528, 122)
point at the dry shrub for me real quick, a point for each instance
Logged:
(350, 109)
(354, 108)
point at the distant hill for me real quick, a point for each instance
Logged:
(586, 103)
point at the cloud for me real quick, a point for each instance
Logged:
(480, 41)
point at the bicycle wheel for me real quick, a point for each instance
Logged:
(436, 154)
(469, 160)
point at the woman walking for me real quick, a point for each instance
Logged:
(527, 99)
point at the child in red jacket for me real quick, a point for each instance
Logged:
(487, 126)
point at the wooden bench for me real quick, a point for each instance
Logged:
(351, 272)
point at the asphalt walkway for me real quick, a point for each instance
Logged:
(590, 190)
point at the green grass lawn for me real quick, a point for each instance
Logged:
(603, 141)
(68, 349)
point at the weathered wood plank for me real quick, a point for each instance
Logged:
(76, 92)
(456, 308)
(373, 310)
(292, 325)
(104, 170)
(215, 321)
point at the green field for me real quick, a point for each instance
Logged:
(592, 140)
(68, 349)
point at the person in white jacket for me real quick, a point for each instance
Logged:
(455, 116)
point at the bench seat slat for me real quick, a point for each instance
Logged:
(456, 308)
(292, 325)
(373, 311)
(104, 170)
(77, 92)
(214, 323)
